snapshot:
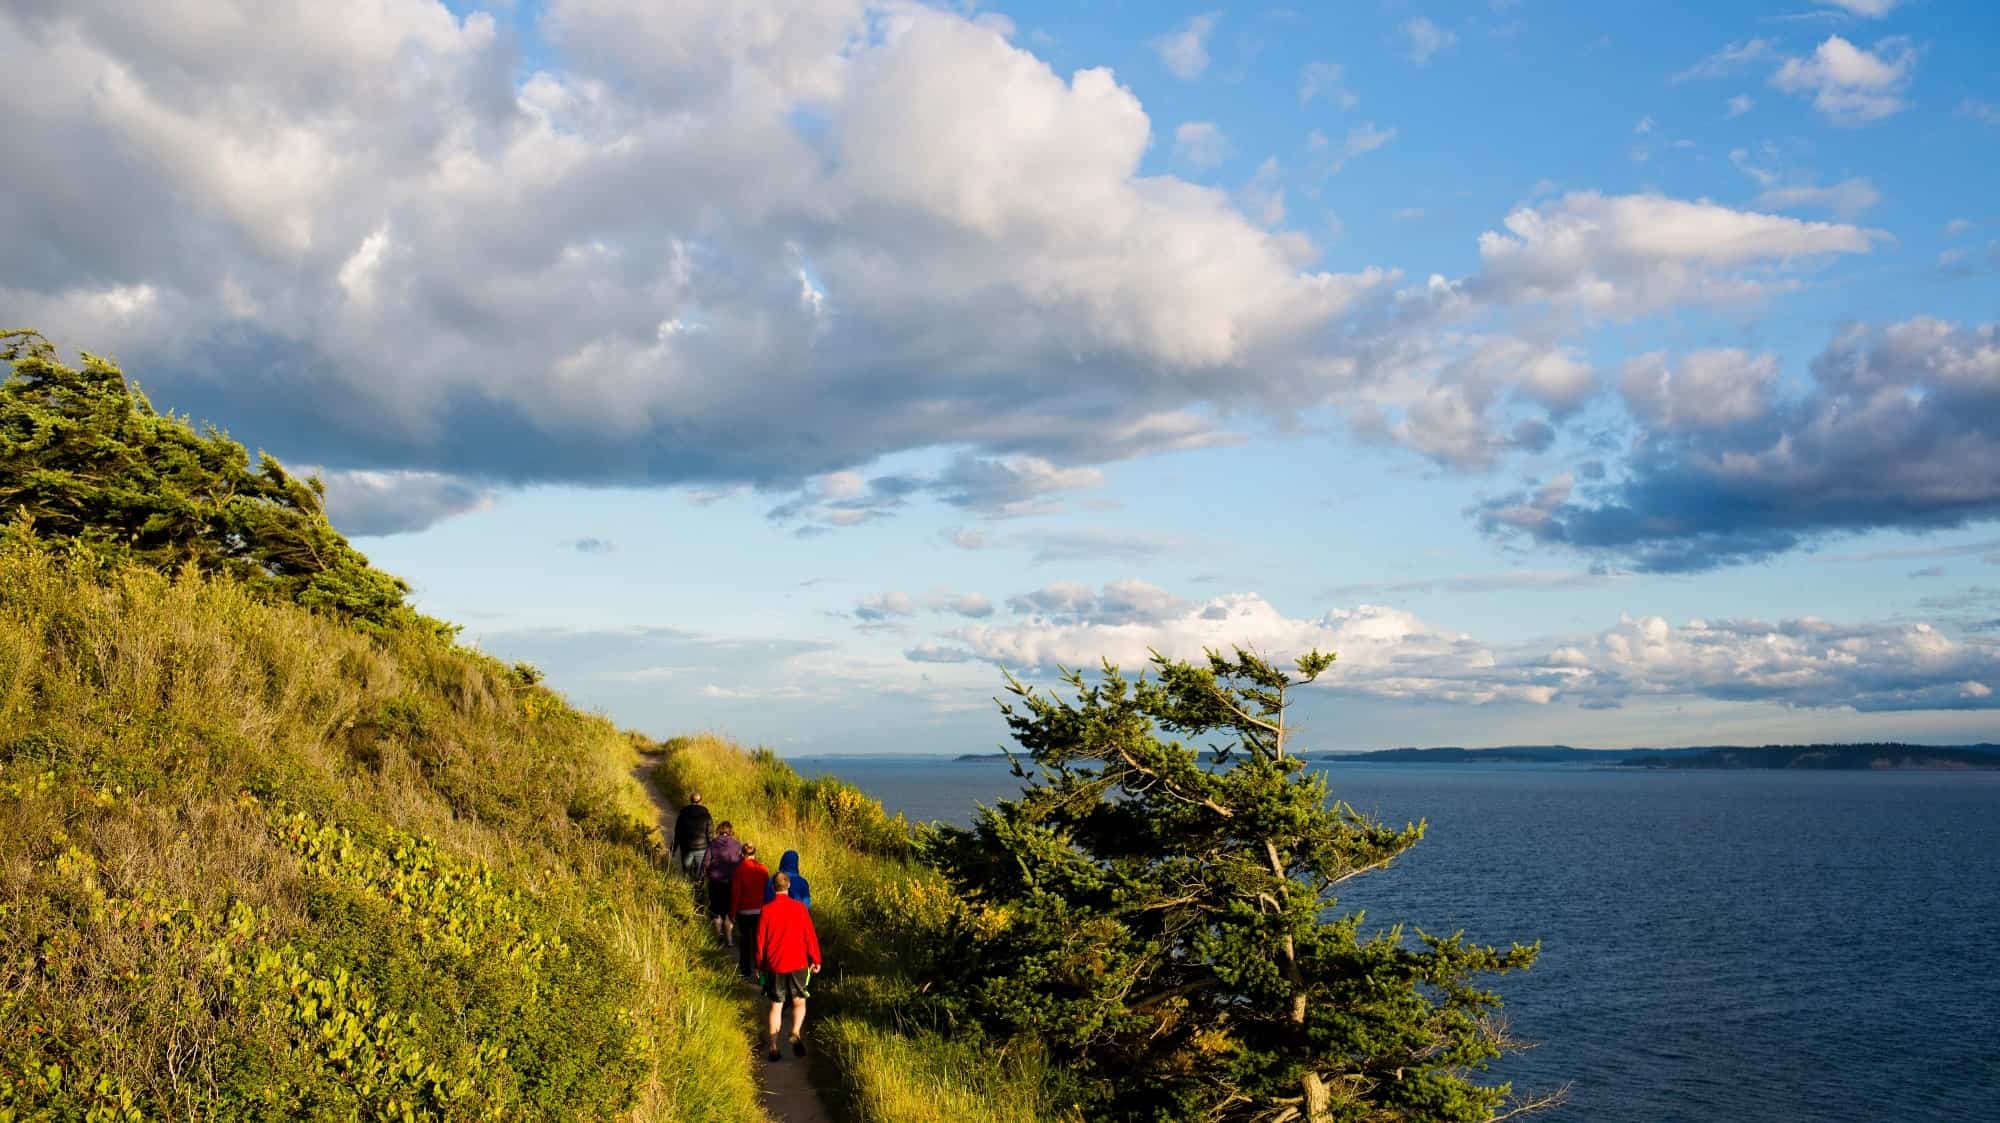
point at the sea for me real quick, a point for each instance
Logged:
(1715, 945)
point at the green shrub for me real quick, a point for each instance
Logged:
(92, 465)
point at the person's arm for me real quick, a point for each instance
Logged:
(812, 945)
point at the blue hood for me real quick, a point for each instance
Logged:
(799, 890)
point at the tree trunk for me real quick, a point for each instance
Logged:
(1319, 1099)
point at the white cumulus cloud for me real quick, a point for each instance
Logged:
(1850, 86)
(1708, 390)
(1631, 254)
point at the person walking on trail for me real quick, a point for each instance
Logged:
(788, 955)
(800, 889)
(691, 836)
(719, 871)
(747, 901)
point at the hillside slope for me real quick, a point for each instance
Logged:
(255, 863)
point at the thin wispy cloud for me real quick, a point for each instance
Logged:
(1729, 60)
(1426, 39)
(1530, 580)
(1983, 547)
(1200, 144)
(1185, 52)
(1324, 80)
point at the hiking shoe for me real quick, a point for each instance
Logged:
(798, 1046)
(777, 1056)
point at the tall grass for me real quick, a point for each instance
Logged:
(871, 904)
(254, 864)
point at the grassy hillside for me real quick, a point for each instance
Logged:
(255, 863)
(876, 911)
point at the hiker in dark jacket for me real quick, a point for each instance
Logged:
(719, 871)
(691, 836)
(797, 887)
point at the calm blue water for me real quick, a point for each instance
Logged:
(1715, 945)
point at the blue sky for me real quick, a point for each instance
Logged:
(1609, 374)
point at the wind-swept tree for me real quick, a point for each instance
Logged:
(1164, 923)
(85, 460)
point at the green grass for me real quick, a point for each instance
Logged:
(873, 907)
(256, 864)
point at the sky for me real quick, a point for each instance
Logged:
(1605, 374)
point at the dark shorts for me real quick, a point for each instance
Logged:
(719, 898)
(787, 985)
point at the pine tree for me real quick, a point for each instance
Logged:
(1164, 923)
(86, 461)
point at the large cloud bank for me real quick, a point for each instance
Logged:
(1900, 427)
(761, 242)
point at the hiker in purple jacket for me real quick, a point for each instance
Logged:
(719, 872)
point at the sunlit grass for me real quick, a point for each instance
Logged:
(168, 951)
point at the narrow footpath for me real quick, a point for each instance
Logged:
(788, 1096)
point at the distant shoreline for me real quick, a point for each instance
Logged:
(1885, 756)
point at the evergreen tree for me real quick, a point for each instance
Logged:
(1164, 923)
(86, 460)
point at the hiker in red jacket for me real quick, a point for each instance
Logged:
(747, 896)
(788, 954)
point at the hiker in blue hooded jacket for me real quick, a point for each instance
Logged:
(798, 889)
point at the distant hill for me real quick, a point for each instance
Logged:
(1502, 754)
(1872, 757)
(1884, 755)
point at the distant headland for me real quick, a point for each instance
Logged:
(1872, 756)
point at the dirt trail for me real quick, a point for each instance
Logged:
(788, 1096)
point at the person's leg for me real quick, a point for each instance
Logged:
(798, 1027)
(746, 944)
(718, 910)
(777, 1023)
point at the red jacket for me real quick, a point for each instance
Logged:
(747, 890)
(785, 937)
